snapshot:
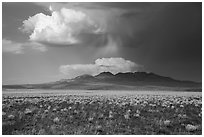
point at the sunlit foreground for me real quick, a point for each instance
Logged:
(101, 112)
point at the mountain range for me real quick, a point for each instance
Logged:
(119, 81)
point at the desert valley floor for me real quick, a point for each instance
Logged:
(101, 112)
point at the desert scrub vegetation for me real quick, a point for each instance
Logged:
(77, 114)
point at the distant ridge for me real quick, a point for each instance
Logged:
(104, 75)
(119, 81)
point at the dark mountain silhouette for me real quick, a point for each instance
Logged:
(104, 75)
(119, 81)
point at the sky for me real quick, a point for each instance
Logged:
(44, 42)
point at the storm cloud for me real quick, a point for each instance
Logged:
(62, 27)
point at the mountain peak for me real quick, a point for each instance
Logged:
(104, 75)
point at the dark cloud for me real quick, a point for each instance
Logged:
(171, 37)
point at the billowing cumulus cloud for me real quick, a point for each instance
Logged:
(62, 27)
(19, 48)
(113, 65)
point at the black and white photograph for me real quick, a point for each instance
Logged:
(101, 68)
